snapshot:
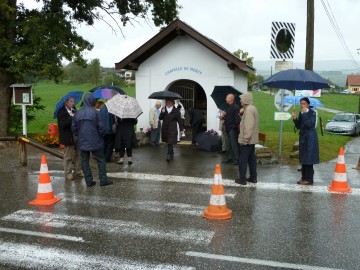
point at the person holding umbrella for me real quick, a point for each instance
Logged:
(64, 117)
(308, 141)
(171, 117)
(125, 139)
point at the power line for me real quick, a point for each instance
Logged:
(337, 30)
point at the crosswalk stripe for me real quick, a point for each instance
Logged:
(255, 261)
(153, 206)
(41, 234)
(41, 257)
(125, 228)
(227, 182)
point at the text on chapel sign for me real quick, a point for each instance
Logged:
(183, 68)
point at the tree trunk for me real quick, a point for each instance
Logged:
(6, 79)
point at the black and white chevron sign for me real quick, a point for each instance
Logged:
(275, 29)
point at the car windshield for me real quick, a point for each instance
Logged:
(343, 118)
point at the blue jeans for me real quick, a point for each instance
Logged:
(100, 158)
(247, 156)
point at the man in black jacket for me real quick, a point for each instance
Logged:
(71, 152)
(196, 122)
(231, 122)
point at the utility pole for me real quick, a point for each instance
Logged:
(309, 55)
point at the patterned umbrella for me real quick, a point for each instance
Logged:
(124, 107)
(77, 95)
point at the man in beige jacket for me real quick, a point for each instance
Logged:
(155, 124)
(248, 137)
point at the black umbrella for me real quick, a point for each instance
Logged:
(219, 95)
(296, 79)
(164, 95)
(208, 142)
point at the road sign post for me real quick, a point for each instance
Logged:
(23, 95)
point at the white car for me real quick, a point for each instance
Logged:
(344, 123)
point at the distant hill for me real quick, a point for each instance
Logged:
(334, 70)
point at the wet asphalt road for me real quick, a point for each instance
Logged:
(150, 220)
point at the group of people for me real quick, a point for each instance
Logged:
(99, 133)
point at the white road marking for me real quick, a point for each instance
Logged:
(227, 182)
(42, 257)
(41, 234)
(256, 261)
(111, 226)
(153, 206)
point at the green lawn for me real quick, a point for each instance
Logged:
(329, 144)
(50, 94)
(341, 102)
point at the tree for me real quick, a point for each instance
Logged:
(33, 42)
(249, 60)
(95, 71)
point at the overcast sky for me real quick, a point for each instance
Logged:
(244, 24)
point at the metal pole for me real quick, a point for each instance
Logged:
(309, 54)
(24, 120)
(281, 122)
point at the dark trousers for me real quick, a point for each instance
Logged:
(128, 152)
(232, 148)
(109, 141)
(170, 149)
(307, 172)
(155, 134)
(100, 158)
(196, 129)
(247, 157)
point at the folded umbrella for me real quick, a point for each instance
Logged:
(219, 95)
(296, 79)
(77, 95)
(208, 142)
(124, 107)
(164, 95)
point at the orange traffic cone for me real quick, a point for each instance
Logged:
(339, 183)
(217, 208)
(45, 194)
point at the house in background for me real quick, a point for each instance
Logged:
(353, 84)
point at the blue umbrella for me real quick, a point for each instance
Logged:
(296, 100)
(296, 79)
(108, 88)
(77, 95)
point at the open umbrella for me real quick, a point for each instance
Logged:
(124, 107)
(105, 93)
(77, 95)
(208, 142)
(219, 95)
(296, 79)
(296, 100)
(164, 95)
(107, 88)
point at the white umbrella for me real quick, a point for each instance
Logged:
(124, 106)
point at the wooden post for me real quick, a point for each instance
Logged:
(22, 153)
(309, 55)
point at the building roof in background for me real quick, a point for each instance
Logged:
(174, 29)
(353, 80)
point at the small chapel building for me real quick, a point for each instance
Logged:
(182, 60)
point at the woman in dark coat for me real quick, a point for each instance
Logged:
(125, 139)
(171, 117)
(308, 141)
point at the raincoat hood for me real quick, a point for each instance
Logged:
(89, 100)
(246, 99)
